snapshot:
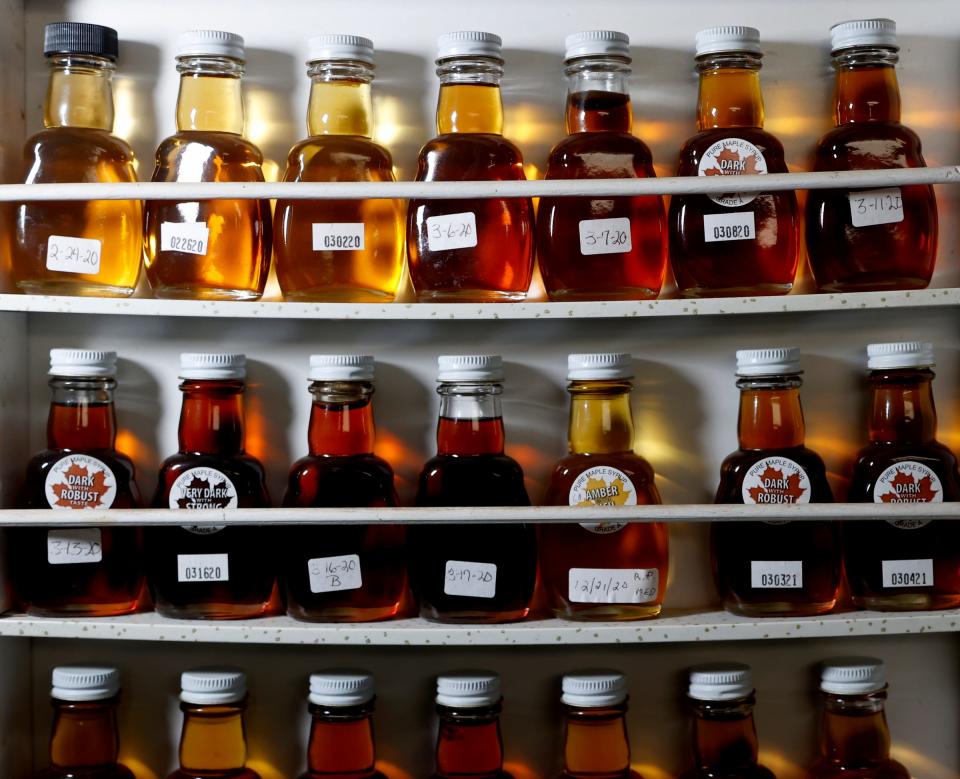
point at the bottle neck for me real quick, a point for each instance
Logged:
(854, 732)
(213, 738)
(211, 420)
(866, 88)
(470, 99)
(601, 420)
(81, 414)
(340, 102)
(80, 93)
(210, 98)
(598, 95)
(470, 419)
(595, 743)
(770, 413)
(901, 407)
(724, 735)
(469, 742)
(341, 419)
(729, 91)
(84, 734)
(341, 742)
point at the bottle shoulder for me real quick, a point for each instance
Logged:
(338, 158)
(600, 155)
(738, 465)
(93, 152)
(207, 156)
(769, 146)
(465, 155)
(866, 145)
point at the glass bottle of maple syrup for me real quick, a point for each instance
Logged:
(470, 249)
(595, 740)
(724, 734)
(210, 249)
(83, 571)
(79, 247)
(213, 742)
(339, 250)
(211, 572)
(774, 568)
(732, 243)
(870, 239)
(906, 563)
(341, 732)
(603, 570)
(343, 573)
(472, 572)
(84, 742)
(854, 736)
(600, 248)
(469, 742)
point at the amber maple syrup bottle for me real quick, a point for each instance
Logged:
(724, 733)
(595, 743)
(213, 742)
(854, 736)
(210, 249)
(84, 743)
(341, 742)
(870, 239)
(83, 571)
(774, 568)
(210, 572)
(600, 248)
(78, 247)
(343, 573)
(732, 243)
(603, 570)
(469, 742)
(908, 563)
(472, 572)
(470, 249)
(339, 250)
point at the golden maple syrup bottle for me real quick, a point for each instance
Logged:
(777, 568)
(84, 743)
(78, 247)
(732, 243)
(339, 250)
(470, 249)
(869, 239)
(82, 571)
(909, 563)
(600, 248)
(213, 742)
(603, 570)
(209, 249)
(854, 735)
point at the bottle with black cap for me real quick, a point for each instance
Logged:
(77, 247)
(469, 742)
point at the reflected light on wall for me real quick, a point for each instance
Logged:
(124, 103)
(265, 770)
(525, 124)
(517, 770)
(132, 447)
(531, 171)
(271, 170)
(393, 770)
(653, 132)
(139, 769)
(649, 771)
(920, 764)
(387, 124)
(931, 119)
(780, 765)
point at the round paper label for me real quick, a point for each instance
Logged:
(776, 480)
(602, 485)
(79, 481)
(908, 482)
(202, 488)
(732, 157)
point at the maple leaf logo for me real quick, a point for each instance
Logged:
(80, 488)
(208, 493)
(908, 489)
(600, 493)
(774, 487)
(728, 157)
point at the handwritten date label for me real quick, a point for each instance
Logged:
(452, 231)
(334, 574)
(73, 255)
(907, 573)
(472, 580)
(74, 545)
(737, 226)
(613, 585)
(876, 207)
(776, 574)
(184, 237)
(605, 236)
(337, 236)
(203, 568)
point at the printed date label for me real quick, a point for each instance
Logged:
(203, 568)
(613, 585)
(74, 545)
(876, 207)
(605, 236)
(452, 231)
(472, 580)
(334, 574)
(184, 237)
(738, 226)
(776, 574)
(73, 255)
(337, 236)
(907, 573)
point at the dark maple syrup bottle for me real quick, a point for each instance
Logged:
(603, 570)
(600, 248)
(213, 742)
(84, 571)
(469, 742)
(870, 239)
(212, 572)
(341, 744)
(774, 568)
(733, 243)
(724, 733)
(345, 573)
(854, 736)
(84, 743)
(472, 572)
(481, 249)
(903, 564)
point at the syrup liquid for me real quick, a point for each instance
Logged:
(84, 742)
(595, 744)
(469, 744)
(341, 744)
(725, 741)
(213, 743)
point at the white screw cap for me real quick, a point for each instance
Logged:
(597, 42)
(468, 689)
(213, 366)
(213, 686)
(599, 366)
(720, 682)
(77, 683)
(210, 43)
(340, 687)
(82, 363)
(852, 675)
(340, 47)
(768, 362)
(590, 689)
(469, 43)
(341, 367)
(906, 354)
(470, 367)
(728, 38)
(864, 32)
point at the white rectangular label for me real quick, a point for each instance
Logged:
(605, 236)
(776, 574)
(452, 231)
(73, 255)
(333, 574)
(74, 545)
(876, 207)
(185, 237)
(613, 585)
(337, 236)
(907, 573)
(203, 568)
(473, 580)
(738, 226)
